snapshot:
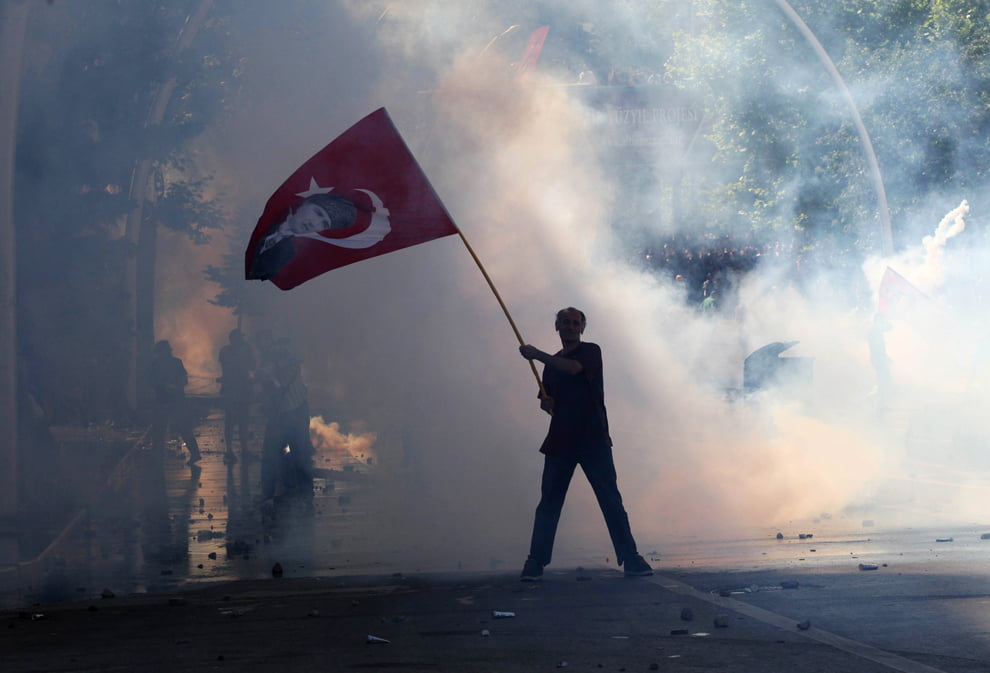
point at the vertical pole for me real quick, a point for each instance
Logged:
(886, 237)
(13, 24)
(505, 310)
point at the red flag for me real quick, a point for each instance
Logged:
(897, 293)
(532, 53)
(361, 196)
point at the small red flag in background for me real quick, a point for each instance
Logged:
(532, 53)
(361, 196)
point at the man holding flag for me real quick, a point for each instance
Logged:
(574, 393)
(364, 195)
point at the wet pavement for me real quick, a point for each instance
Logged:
(171, 568)
(158, 524)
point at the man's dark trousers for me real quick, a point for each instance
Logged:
(558, 469)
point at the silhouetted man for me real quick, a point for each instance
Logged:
(168, 380)
(578, 435)
(287, 406)
(236, 364)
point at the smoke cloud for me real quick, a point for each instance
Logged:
(414, 348)
(409, 359)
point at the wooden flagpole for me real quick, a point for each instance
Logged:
(501, 303)
(467, 245)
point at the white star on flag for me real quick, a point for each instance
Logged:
(314, 189)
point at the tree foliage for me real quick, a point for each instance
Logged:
(92, 70)
(788, 152)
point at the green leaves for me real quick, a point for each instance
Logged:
(787, 150)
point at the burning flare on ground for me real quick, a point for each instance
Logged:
(334, 445)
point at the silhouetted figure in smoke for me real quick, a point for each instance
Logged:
(168, 380)
(237, 366)
(578, 435)
(707, 287)
(879, 358)
(709, 305)
(287, 408)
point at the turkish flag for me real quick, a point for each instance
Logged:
(361, 196)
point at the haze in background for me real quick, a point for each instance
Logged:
(413, 346)
(410, 354)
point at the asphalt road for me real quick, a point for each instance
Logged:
(595, 620)
(171, 577)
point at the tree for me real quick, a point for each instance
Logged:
(93, 70)
(786, 146)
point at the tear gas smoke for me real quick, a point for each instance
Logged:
(951, 225)
(185, 317)
(409, 359)
(336, 447)
(413, 345)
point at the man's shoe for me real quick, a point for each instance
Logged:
(532, 571)
(637, 567)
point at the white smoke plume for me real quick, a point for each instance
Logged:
(413, 347)
(340, 448)
(951, 225)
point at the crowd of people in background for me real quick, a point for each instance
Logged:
(709, 266)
